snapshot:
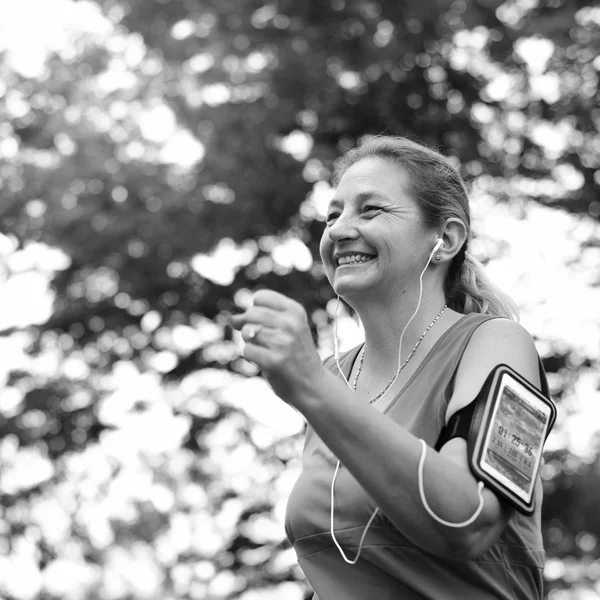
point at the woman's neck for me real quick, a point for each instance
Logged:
(383, 326)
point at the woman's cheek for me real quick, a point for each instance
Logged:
(325, 250)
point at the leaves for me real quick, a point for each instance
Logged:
(177, 153)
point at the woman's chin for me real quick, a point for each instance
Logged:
(351, 286)
(354, 278)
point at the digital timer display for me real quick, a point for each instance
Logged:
(515, 439)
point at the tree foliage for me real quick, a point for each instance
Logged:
(173, 136)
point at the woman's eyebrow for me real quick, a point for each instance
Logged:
(360, 197)
(370, 195)
(335, 203)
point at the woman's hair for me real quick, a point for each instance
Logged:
(439, 190)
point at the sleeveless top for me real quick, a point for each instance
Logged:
(390, 566)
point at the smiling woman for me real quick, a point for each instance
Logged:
(384, 479)
(372, 220)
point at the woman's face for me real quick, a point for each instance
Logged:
(374, 240)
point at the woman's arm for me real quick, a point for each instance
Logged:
(494, 342)
(384, 457)
(380, 454)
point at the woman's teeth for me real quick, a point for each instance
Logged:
(354, 259)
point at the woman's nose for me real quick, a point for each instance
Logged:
(344, 227)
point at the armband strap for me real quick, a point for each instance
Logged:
(458, 425)
(505, 427)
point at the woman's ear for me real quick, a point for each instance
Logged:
(453, 235)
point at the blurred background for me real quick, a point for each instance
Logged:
(161, 159)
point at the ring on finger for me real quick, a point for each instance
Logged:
(253, 333)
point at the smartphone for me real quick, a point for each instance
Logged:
(507, 436)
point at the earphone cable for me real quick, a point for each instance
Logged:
(336, 352)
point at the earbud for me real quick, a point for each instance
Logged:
(438, 245)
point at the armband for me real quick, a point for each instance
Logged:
(506, 427)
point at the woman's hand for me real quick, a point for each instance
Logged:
(278, 340)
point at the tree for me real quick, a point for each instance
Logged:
(174, 135)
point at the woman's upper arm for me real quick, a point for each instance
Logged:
(498, 341)
(494, 342)
(495, 513)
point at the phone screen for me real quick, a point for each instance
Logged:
(515, 437)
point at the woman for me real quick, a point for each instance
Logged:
(395, 249)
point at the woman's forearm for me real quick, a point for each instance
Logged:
(384, 457)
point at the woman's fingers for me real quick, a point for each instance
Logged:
(256, 315)
(271, 309)
(274, 301)
(278, 341)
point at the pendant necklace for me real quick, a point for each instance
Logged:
(387, 387)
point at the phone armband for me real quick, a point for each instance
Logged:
(510, 423)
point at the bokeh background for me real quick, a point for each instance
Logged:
(161, 159)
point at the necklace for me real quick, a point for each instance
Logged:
(389, 384)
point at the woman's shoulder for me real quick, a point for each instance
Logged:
(493, 342)
(499, 339)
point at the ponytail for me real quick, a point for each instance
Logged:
(469, 290)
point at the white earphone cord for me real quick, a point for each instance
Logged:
(424, 445)
(426, 505)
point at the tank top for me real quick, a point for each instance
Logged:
(390, 566)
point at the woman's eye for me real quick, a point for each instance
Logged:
(332, 216)
(371, 209)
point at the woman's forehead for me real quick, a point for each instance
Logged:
(372, 178)
(372, 174)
